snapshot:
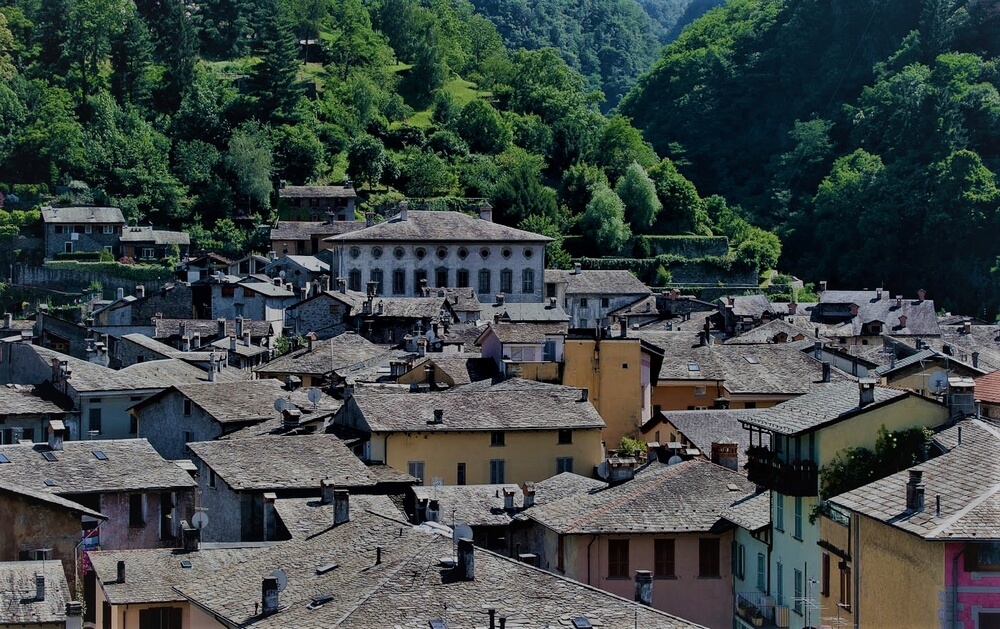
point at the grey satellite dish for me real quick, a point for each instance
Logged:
(282, 579)
(281, 274)
(199, 520)
(314, 396)
(462, 530)
(280, 404)
(602, 470)
(674, 460)
(938, 382)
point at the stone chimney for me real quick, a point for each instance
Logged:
(644, 587)
(120, 293)
(553, 302)
(232, 343)
(975, 359)
(792, 307)
(404, 210)
(866, 390)
(246, 338)
(500, 299)
(369, 219)
(212, 366)
(74, 615)
(8, 320)
(577, 268)
(269, 596)
(466, 566)
(438, 416)
(186, 344)
(902, 321)
(822, 286)
(39, 587)
(899, 301)
(915, 492)
(57, 434)
(121, 572)
(508, 499)
(341, 506)
(270, 516)
(140, 291)
(326, 492)
(584, 395)
(190, 537)
(528, 488)
(826, 371)
(341, 285)
(726, 455)
(967, 326)
(921, 294)
(324, 281)
(220, 328)
(486, 212)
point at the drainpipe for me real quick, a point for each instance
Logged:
(954, 585)
(593, 538)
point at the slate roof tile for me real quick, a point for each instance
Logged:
(331, 355)
(17, 594)
(823, 406)
(431, 226)
(82, 215)
(597, 282)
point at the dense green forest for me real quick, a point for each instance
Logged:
(188, 115)
(866, 133)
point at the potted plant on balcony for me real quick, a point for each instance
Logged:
(758, 617)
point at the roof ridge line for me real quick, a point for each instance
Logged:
(986, 495)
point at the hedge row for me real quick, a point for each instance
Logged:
(137, 272)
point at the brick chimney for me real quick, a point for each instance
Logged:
(644, 587)
(726, 455)
(466, 567)
(341, 506)
(915, 492)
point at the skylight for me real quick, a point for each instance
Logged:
(753, 360)
(99, 455)
(694, 367)
(49, 482)
(49, 456)
(185, 563)
(581, 623)
(4, 459)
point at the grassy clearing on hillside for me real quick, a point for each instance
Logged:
(461, 90)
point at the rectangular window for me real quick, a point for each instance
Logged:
(136, 517)
(69, 247)
(550, 290)
(506, 281)
(761, 572)
(419, 280)
(699, 391)
(148, 252)
(497, 438)
(663, 559)
(376, 276)
(798, 517)
(484, 281)
(564, 464)
(160, 618)
(88, 229)
(605, 302)
(211, 477)
(583, 302)
(187, 408)
(187, 436)
(108, 229)
(739, 561)
(441, 278)
(95, 420)
(497, 471)
(618, 559)
(462, 278)
(399, 282)
(561, 553)
(845, 586)
(549, 351)
(779, 583)
(779, 511)
(416, 470)
(708, 557)
(354, 280)
(133, 425)
(824, 585)
(58, 229)
(565, 436)
(528, 281)
(460, 474)
(797, 584)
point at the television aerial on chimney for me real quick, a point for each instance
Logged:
(938, 382)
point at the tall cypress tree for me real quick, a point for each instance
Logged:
(273, 86)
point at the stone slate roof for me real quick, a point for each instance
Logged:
(155, 236)
(524, 312)
(903, 363)
(462, 299)
(248, 351)
(131, 465)
(702, 428)
(207, 328)
(306, 230)
(89, 377)
(988, 388)
(175, 371)
(143, 341)
(286, 462)
(229, 402)
(765, 333)
(82, 215)
(462, 368)
(408, 588)
(522, 332)
(984, 339)
(17, 594)
(331, 355)
(921, 317)
(539, 409)
(825, 405)
(317, 192)
(519, 384)
(408, 308)
(307, 516)
(967, 477)
(424, 226)
(597, 282)
(752, 513)
(19, 399)
(151, 574)
(689, 497)
(377, 369)
(11, 486)
(746, 305)
(309, 263)
(758, 369)
(267, 289)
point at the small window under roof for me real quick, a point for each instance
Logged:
(99, 455)
(50, 456)
(49, 482)
(185, 563)
(4, 459)
(581, 623)
(691, 367)
(438, 624)
(751, 359)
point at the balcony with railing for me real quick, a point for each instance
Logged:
(795, 478)
(756, 609)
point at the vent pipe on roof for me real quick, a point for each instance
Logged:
(826, 371)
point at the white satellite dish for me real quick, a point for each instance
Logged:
(602, 470)
(314, 396)
(462, 530)
(199, 520)
(938, 382)
(282, 579)
(674, 460)
(281, 404)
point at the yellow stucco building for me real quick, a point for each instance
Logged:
(510, 433)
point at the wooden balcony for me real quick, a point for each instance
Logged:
(796, 478)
